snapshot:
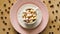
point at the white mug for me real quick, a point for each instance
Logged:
(33, 24)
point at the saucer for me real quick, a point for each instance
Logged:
(14, 21)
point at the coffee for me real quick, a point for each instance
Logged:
(29, 15)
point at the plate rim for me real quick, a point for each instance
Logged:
(14, 26)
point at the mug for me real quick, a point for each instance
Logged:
(38, 16)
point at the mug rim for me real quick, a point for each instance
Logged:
(34, 21)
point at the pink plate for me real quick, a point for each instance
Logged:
(14, 21)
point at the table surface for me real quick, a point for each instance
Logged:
(53, 26)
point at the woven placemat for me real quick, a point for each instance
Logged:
(53, 26)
